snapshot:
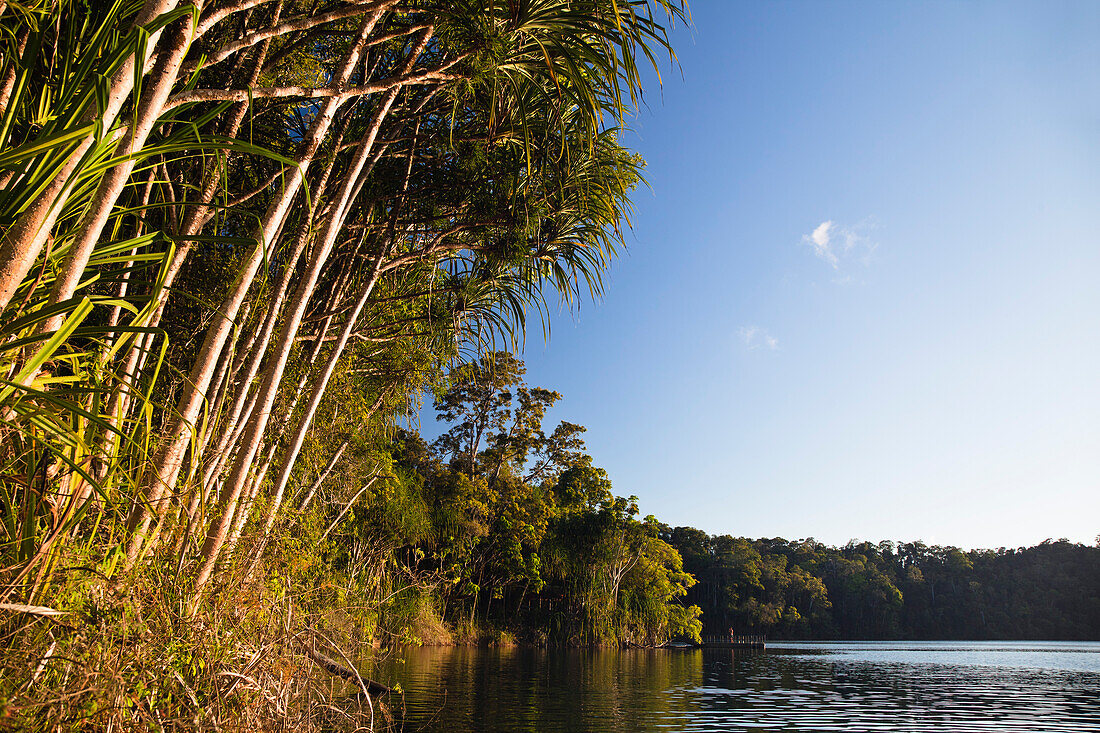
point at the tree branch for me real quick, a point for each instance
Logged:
(245, 95)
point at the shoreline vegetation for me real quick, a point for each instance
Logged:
(241, 240)
(521, 543)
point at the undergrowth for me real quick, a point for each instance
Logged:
(126, 656)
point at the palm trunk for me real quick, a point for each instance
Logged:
(254, 355)
(165, 470)
(7, 85)
(221, 383)
(257, 424)
(114, 181)
(320, 384)
(23, 242)
(168, 465)
(193, 221)
(322, 380)
(144, 512)
(256, 481)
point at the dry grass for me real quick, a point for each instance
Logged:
(130, 660)
(428, 628)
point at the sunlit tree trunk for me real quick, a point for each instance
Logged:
(257, 424)
(165, 469)
(312, 491)
(245, 397)
(153, 95)
(317, 391)
(23, 242)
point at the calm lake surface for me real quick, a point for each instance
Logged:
(870, 686)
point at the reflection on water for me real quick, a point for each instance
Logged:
(951, 687)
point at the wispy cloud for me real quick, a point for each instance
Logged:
(821, 241)
(838, 244)
(755, 337)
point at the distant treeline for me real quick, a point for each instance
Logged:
(503, 527)
(803, 589)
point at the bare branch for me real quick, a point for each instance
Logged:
(243, 95)
(288, 26)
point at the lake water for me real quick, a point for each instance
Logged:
(1031, 687)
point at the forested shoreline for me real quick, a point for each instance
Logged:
(804, 589)
(530, 543)
(534, 546)
(243, 242)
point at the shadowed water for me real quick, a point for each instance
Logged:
(940, 686)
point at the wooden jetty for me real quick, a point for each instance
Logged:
(734, 641)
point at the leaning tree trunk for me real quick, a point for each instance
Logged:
(242, 403)
(111, 186)
(320, 384)
(23, 242)
(193, 219)
(352, 183)
(166, 467)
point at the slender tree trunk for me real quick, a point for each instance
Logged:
(257, 479)
(231, 492)
(304, 503)
(320, 384)
(165, 469)
(252, 490)
(193, 220)
(290, 455)
(348, 506)
(23, 242)
(143, 513)
(220, 384)
(257, 423)
(139, 229)
(153, 96)
(7, 84)
(194, 216)
(230, 432)
(168, 466)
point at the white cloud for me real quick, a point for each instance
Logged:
(819, 240)
(755, 337)
(839, 245)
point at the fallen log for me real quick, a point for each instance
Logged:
(331, 665)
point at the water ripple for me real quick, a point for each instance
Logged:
(951, 688)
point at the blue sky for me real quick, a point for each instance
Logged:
(862, 299)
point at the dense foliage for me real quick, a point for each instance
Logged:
(237, 237)
(520, 531)
(807, 590)
(238, 240)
